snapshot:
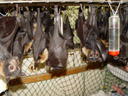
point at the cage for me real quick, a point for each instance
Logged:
(81, 78)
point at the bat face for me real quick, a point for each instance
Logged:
(94, 56)
(11, 67)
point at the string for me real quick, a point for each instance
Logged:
(114, 12)
(117, 8)
(111, 8)
(3, 14)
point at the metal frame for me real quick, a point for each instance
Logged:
(59, 2)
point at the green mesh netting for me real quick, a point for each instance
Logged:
(111, 80)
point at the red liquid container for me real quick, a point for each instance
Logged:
(114, 35)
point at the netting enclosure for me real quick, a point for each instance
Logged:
(81, 78)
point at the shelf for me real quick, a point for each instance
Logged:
(48, 76)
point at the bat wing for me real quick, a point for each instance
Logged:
(8, 27)
(17, 45)
(79, 27)
(29, 27)
(57, 58)
(68, 33)
(102, 49)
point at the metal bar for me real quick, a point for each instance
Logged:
(48, 76)
(59, 2)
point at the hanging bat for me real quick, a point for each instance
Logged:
(9, 65)
(93, 48)
(28, 38)
(57, 56)
(80, 26)
(83, 32)
(98, 50)
(21, 43)
(47, 25)
(39, 43)
(68, 34)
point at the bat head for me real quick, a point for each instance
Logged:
(93, 56)
(11, 68)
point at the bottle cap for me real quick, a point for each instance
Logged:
(114, 53)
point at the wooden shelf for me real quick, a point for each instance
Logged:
(48, 76)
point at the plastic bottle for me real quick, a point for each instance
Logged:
(114, 35)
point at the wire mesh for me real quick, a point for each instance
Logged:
(81, 84)
(111, 80)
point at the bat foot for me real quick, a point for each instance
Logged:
(56, 70)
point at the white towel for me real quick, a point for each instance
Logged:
(100, 93)
(3, 85)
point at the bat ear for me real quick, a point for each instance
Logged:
(44, 56)
(102, 49)
(85, 51)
